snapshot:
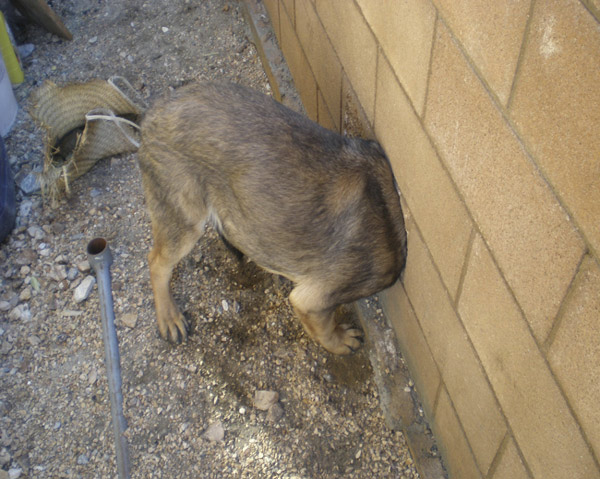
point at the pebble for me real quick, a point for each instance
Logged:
(25, 294)
(4, 457)
(29, 184)
(82, 460)
(15, 473)
(129, 320)
(58, 272)
(275, 413)
(263, 400)
(83, 291)
(20, 313)
(72, 273)
(4, 305)
(36, 232)
(60, 259)
(215, 432)
(25, 49)
(92, 40)
(25, 208)
(83, 266)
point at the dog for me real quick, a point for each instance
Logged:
(301, 201)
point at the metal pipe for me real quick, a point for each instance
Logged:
(100, 260)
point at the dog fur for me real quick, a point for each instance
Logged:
(299, 200)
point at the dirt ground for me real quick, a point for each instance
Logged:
(190, 408)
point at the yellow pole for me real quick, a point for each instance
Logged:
(11, 61)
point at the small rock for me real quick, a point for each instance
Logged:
(263, 400)
(58, 272)
(83, 291)
(27, 257)
(82, 460)
(92, 377)
(25, 294)
(25, 208)
(4, 305)
(93, 40)
(164, 29)
(20, 313)
(15, 473)
(215, 432)
(4, 457)
(72, 273)
(275, 413)
(29, 184)
(225, 305)
(34, 340)
(129, 320)
(36, 232)
(83, 266)
(61, 259)
(24, 271)
(25, 50)
(5, 347)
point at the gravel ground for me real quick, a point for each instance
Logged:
(192, 410)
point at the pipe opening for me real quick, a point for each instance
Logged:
(96, 246)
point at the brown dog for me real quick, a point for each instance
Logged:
(299, 200)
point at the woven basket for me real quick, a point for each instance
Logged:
(93, 112)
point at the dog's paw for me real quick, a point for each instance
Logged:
(343, 340)
(173, 327)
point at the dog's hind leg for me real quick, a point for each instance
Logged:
(310, 301)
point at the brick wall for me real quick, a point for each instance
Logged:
(490, 114)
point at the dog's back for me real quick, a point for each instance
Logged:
(297, 199)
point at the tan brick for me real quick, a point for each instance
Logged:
(290, 8)
(355, 46)
(556, 106)
(461, 371)
(593, 6)
(412, 344)
(536, 246)
(405, 32)
(321, 56)
(298, 65)
(325, 118)
(538, 414)
(510, 465)
(429, 192)
(575, 352)
(451, 440)
(492, 34)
